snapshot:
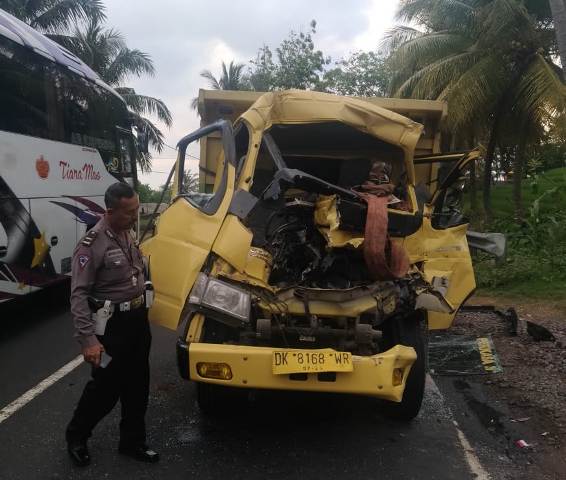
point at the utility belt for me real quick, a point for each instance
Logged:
(102, 310)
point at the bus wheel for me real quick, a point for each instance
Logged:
(411, 332)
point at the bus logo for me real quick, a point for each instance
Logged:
(42, 167)
(87, 172)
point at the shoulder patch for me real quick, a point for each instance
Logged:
(83, 260)
(89, 238)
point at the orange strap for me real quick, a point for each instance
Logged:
(385, 260)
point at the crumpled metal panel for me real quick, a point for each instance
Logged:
(298, 106)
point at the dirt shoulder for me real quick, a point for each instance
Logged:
(532, 385)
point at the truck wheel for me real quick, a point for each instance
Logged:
(409, 331)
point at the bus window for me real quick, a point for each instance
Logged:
(43, 99)
(22, 92)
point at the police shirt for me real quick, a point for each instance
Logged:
(106, 266)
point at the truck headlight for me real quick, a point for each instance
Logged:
(221, 296)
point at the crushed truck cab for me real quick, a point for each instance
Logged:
(326, 240)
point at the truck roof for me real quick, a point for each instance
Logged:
(230, 105)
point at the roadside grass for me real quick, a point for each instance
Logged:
(535, 264)
(533, 188)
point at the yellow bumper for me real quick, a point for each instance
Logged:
(252, 368)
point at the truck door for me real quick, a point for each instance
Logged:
(445, 248)
(186, 231)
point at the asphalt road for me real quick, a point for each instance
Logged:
(276, 437)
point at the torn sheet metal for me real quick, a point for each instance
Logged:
(493, 243)
(462, 355)
(327, 220)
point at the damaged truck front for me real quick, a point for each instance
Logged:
(329, 241)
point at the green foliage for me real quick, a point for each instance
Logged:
(298, 64)
(261, 75)
(190, 181)
(493, 61)
(54, 16)
(106, 52)
(230, 79)
(146, 193)
(478, 56)
(363, 74)
(535, 264)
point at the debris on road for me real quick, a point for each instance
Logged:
(462, 355)
(522, 444)
(524, 419)
(530, 392)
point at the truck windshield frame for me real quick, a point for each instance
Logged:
(207, 205)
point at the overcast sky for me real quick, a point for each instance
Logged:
(185, 37)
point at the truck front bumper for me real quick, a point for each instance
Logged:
(251, 367)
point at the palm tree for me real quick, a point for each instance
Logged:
(54, 15)
(558, 8)
(231, 78)
(490, 59)
(105, 51)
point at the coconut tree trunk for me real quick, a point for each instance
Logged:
(488, 166)
(518, 170)
(473, 189)
(558, 8)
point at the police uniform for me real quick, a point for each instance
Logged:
(108, 276)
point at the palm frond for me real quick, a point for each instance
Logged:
(431, 81)
(145, 105)
(540, 92)
(58, 15)
(155, 140)
(67, 41)
(504, 19)
(397, 36)
(212, 81)
(421, 53)
(439, 14)
(478, 90)
(128, 62)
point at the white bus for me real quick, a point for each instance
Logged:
(65, 136)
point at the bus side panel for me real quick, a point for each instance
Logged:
(17, 253)
(62, 188)
(58, 230)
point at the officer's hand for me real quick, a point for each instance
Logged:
(92, 354)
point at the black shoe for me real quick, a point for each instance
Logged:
(140, 452)
(78, 453)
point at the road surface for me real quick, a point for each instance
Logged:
(276, 437)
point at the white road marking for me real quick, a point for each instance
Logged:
(471, 457)
(27, 397)
(469, 453)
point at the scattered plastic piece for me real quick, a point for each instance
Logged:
(544, 434)
(522, 444)
(523, 419)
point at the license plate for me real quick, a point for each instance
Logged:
(311, 361)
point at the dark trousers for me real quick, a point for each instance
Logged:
(127, 340)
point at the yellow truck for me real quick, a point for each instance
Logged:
(325, 241)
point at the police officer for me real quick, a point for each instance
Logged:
(109, 311)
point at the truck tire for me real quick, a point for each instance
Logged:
(411, 332)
